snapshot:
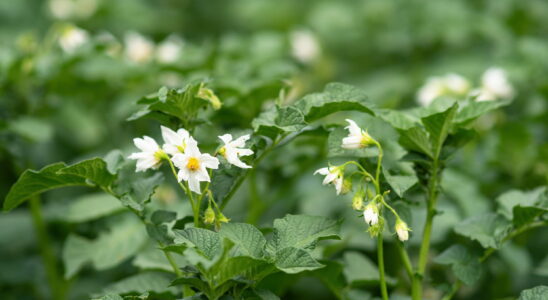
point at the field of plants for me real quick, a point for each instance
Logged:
(256, 149)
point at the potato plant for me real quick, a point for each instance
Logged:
(254, 154)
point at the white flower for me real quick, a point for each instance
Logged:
(402, 230)
(66, 9)
(494, 85)
(151, 156)
(175, 142)
(304, 46)
(192, 165)
(169, 50)
(332, 175)
(138, 48)
(357, 138)
(233, 149)
(72, 38)
(371, 214)
(450, 84)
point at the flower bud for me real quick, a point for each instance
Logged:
(346, 186)
(209, 215)
(402, 230)
(357, 201)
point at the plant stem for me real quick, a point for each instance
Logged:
(56, 283)
(425, 245)
(405, 259)
(188, 192)
(380, 262)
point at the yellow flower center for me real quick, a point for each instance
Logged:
(222, 151)
(193, 164)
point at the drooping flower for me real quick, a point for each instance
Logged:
(151, 154)
(233, 149)
(175, 142)
(138, 48)
(402, 230)
(494, 85)
(332, 175)
(192, 165)
(72, 38)
(448, 85)
(357, 138)
(371, 214)
(357, 201)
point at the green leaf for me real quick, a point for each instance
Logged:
(523, 207)
(464, 264)
(332, 277)
(135, 189)
(111, 248)
(248, 240)
(293, 260)
(84, 208)
(163, 216)
(110, 297)
(474, 109)
(243, 267)
(207, 242)
(416, 139)
(359, 269)
(537, 293)
(94, 169)
(398, 119)
(32, 183)
(335, 97)
(301, 231)
(400, 183)
(157, 282)
(152, 258)
(278, 120)
(488, 229)
(542, 269)
(438, 126)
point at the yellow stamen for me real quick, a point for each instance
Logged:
(193, 164)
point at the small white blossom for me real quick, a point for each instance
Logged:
(192, 165)
(169, 50)
(371, 214)
(72, 38)
(138, 48)
(448, 85)
(357, 138)
(494, 85)
(175, 142)
(233, 149)
(67, 9)
(332, 175)
(304, 46)
(402, 230)
(151, 154)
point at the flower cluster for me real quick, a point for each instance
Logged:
(494, 85)
(181, 149)
(372, 212)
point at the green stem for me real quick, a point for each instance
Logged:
(405, 259)
(425, 245)
(188, 192)
(55, 281)
(256, 206)
(380, 259)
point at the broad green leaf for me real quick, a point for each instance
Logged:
(537, 293)
(416, 139)
(465, 191)
(194, 282)
(244, 267)
(301, 231)
(94, 169)
(400, 183)
(162, 216)
(110, 297)
(474, 109)
(335, 97)
(84, 208)
(278, 120)
(32, 183)
(248, 240)
(438, 127)
(135, 189)
(293, 260)
(111, 248)
(152, 258)
(332, 276)
(488, 229)
(398, 119)
(159, 233)
(207, 242)
(31, 128)
(359, 269)
(157, 282)
(542, 269)
(264, 295)
(523, 207)
(464, 264)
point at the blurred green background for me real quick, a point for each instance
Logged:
(72, 70)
